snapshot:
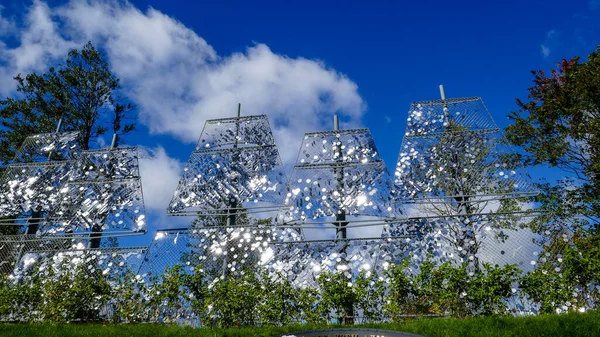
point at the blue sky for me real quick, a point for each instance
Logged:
(184, 61)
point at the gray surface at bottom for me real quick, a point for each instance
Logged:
(349, 333)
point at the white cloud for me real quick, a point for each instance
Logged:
(545, 51)
(40, 44)
(160, 176)
(177, 80)
(549, 43)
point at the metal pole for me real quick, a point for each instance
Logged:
(461, 198)
(232, 204)
(340, 218)
(442, 92)
(446, 113)
(96, 234)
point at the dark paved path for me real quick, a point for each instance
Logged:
(350, 333)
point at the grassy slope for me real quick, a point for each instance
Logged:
(572, 325)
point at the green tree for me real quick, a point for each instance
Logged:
(82, 91)
(559, 126)
(234, 301)
(339, 295)
(278, 305)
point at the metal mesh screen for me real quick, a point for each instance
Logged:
(227, 252)
(105, 191)
(251, 130)
(35, 181)
(458, 179)
(38, 148)
(235, 162)
(33, 187)
(21, 255)
(456, 158)
(338, 171)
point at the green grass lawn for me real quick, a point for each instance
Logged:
(571, 325)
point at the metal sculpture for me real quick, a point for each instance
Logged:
(234, 172)
(455, 174)
(235, 168)
(67, 199)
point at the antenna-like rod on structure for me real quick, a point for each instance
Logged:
(442, 92)
(443, 96)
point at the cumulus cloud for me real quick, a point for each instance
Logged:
(178, 80)
(39, 44)
(160, 175)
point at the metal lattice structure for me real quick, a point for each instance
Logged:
(338, 172)
(234, 171)
(451, 147)
(279, 252)
(104, 191)
(456, 176)
(235, 165)
(64, 201)
(213, 251)
(35, 180)
(112, 262)
(339, 179)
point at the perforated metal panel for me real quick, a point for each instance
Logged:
(338, 171)
(226, 169)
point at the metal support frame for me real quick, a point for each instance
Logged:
(232, 209)
(461, 197)
(96, 234)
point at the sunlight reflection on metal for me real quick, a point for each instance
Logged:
(249, 172)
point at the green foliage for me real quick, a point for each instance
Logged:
(278, 305)
(82, 92)
(67, 294)
(20, 301)
(559, 126)
(127, 298)
(171, 292)
(451, 290)
(310, 310)
(197, 285)
(74, 295)
(233, 300)
(569, 281)
(370, 290)
(339, 295)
